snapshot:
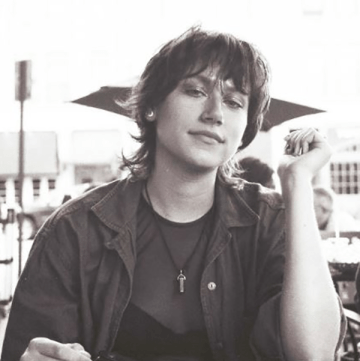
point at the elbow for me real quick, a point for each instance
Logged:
(310, 349)
(312, 356)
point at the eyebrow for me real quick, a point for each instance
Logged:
(209, 80)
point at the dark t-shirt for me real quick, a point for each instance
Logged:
(159, 320)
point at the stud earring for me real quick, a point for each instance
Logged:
(150, 115)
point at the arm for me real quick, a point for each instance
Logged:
(309, 313)
(45, 304)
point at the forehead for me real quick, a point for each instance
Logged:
(213, 75)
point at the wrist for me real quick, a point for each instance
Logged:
(293, 183)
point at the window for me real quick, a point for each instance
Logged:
(17, 191)
(345, 169)
(36, 188)
(345, 177)
(51, 184)
(2, 191)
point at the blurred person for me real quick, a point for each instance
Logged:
(329, 217)
(257, 171)
(183, 260)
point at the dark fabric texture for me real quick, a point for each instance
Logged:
(135, 340)
(159, 319)
(79, 276)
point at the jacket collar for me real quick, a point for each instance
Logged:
(233, 207)
(117, 208)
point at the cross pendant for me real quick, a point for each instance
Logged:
(181, 279)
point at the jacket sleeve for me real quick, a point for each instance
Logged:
(265, 338)
(46, 298)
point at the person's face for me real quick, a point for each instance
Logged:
(200, 124)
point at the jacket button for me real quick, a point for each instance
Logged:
(211, 286)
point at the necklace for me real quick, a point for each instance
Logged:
(181, 278)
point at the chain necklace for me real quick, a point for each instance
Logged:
(181, 278)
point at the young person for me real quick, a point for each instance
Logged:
(328, 216)
(184, 260)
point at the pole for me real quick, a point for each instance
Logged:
(21, 182)
(22, 92)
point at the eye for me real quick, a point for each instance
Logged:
(233, 103)
(195, 92)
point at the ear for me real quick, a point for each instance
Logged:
(150, 115)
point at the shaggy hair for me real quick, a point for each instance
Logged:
(186, 56)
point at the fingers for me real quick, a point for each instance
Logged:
(75, 346)
(43, 349)
(301, 141)
(306, 152)
(79, 348)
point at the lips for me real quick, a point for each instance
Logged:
(208, 134)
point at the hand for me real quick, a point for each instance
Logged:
(43, 349)
(306, 152)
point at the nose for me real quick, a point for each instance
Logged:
(213, 112)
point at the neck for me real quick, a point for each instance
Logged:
(180, 197)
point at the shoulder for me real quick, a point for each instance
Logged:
(270, 209)
(257, 217)
(85, 201)
(79, 210)
(77, 226)
(268, 205)
(250, 205)
(257, 196)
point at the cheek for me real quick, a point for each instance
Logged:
(237, 130)
(168, 127)
(172, 114)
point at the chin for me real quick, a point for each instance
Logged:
(203, 167)
(204, 162)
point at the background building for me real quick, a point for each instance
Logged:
(77, 46)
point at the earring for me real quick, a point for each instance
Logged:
(150, 115)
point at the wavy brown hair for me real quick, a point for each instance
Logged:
(186, 56)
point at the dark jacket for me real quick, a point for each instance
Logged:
(78, 278)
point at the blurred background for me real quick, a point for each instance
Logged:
(73, 47)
